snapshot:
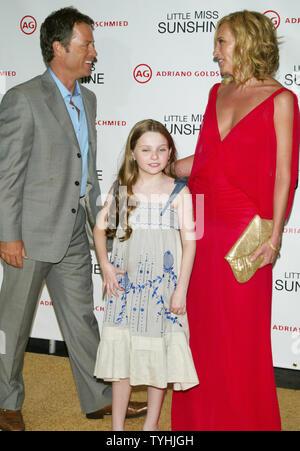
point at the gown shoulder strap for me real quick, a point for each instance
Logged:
(180, 183)
(277, 92)
(213, 92)
(280, 90)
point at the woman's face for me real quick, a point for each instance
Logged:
(224, 48)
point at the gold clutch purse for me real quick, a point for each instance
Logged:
(255, 234)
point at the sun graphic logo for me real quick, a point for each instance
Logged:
(274, 17)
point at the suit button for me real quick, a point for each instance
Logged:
(73, 210)
(79, 155)
(77, 183)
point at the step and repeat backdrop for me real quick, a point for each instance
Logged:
(155, 60)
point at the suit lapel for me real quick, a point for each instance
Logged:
(57, 106)
(90, 120)
(88, 107)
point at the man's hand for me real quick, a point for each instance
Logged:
(13, 252)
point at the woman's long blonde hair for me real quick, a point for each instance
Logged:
(256, 52)
(128, 175)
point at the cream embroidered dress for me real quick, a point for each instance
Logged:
(141, 340)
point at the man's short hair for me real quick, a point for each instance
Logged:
(58, 26)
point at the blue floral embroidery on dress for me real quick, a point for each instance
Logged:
(124, 283)
(168, 262)
(128, 286)
(169, 266)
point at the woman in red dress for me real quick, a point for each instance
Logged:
(246, 163)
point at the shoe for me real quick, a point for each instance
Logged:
(135, 409)
(11, 420)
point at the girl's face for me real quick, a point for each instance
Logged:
(152, 153)
(224, 48)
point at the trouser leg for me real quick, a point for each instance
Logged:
(70, 286)
(18, 299)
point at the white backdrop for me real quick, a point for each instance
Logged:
(155, 61)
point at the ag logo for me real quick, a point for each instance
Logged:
(28, 25)
(274, 17)
(142, 73)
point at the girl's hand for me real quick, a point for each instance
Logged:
(110, 282)
(269, 254)
(178, 303)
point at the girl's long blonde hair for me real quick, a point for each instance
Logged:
(256, 52)
(128, 175)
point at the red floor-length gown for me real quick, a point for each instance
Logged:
(230, 323)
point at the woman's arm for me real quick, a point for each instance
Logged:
(108, 271)
(283, 121)
(183, 167)
(184, 206)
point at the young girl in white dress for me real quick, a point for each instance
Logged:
(149, 215)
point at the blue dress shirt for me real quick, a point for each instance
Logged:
(79, 123)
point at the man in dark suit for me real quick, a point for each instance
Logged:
(48, 193)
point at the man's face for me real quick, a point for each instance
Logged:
(80, 53)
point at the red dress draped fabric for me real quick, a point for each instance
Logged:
(230, 323)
